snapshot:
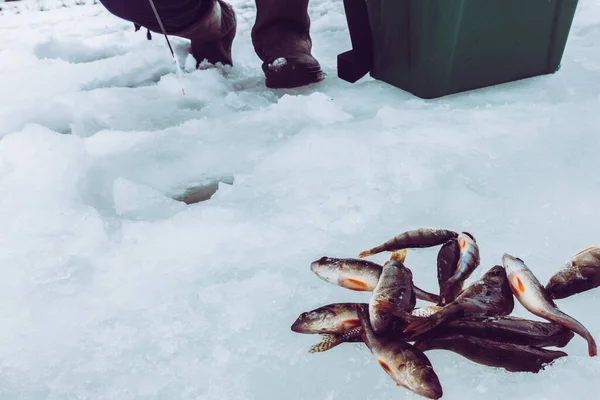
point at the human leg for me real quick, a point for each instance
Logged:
(209, 24)
(281, 39)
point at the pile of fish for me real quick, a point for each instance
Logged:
(471, 321)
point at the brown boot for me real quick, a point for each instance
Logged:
(212, 36)
(281, 39)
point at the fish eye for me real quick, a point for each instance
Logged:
(304, 315)
(323, 259)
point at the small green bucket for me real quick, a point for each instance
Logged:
(432, 48)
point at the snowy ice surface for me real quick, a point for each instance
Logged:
(110, 289)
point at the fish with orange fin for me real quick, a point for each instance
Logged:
(403, 362)
(468, 262)
(493, 353)
(358, 275)
(349, 273)
(532, 295)
(337, 324)
(417, 238)
(507, 328)
(337, 319)
(330, 319)
(579, 274)
(396, 286)
(489, 296)
(447, 259)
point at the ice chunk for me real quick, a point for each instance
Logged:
(142, 202)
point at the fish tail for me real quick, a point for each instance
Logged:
(367, 253)
(571, 323)
(397, 243)
(592, 348)
(417, 238)
(421, 326)
(373, 251)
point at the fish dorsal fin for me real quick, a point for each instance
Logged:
(399, 255)
(585, 251)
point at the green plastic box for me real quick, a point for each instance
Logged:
(433, 48)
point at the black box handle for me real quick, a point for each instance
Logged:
(356, 63)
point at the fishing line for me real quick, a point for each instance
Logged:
(168, 43)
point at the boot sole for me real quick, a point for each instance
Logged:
(292, 76)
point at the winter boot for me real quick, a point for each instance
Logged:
(281, 39)
(212, 36)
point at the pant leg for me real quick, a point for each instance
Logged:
(281, 28)
(176, 15)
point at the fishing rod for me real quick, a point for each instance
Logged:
(169, 44)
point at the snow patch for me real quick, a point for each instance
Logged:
(316, 107)
(74, 51)
(278, 63)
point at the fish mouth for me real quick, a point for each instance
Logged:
(299, 327)
(557, 286)
(512, 264)
(428, 384)
(296, 327)
(555, 283)
(507, 258)
(431, 393)
(314, 266)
